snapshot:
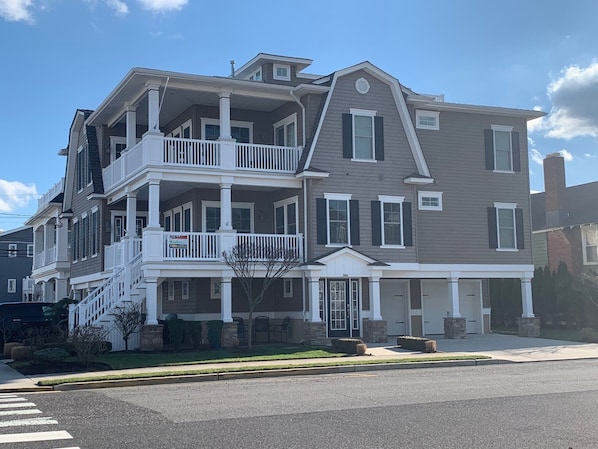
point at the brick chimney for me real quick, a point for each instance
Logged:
(554, 188)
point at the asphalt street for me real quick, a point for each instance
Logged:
(531, 405)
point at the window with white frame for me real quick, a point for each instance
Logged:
(242, 216)
(363, 134)
(75, 236)
(81, 171)
(337, 208)
(94, 232)
(118, 144)
(427, 120)
(179, 219)
(185, 290)
(170, 290)
(12, 286)
(30, 250)
(391, 209)
(84, 236)
(285, 132)
(242, 132)
(505, 223)
(281, 72)
(215, 288)
(590, 244)
(430, 200)
(288, 288)
(12, 250)
(256, 75)
(183, 131)
(285, 216)
(503, 152)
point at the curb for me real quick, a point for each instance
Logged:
(35, 389)
(281, 372)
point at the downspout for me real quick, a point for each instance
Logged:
(302, 116)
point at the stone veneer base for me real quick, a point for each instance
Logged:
(454, 327)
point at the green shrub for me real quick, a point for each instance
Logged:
(88, 342)
(346, 345)
(50, 355)
(589, 335)
(175, 332)
(416, 343)
(193, 329)
(215, 333)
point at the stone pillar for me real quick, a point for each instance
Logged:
(226, 299)
(229, 338)
(453, 291)
(151, 337)
(225, 115)
(153, 108)
(374, 286)
(131, 126)
(454, 327)
(375, 331)
(529, 327)
(314, 333)
(314, 300)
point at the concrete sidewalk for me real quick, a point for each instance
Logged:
(501, 349)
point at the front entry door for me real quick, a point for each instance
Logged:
(343, 308)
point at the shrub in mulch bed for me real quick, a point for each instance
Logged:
(349, 345)
(416, 343)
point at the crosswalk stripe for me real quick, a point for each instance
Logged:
(18, 404)
(32, 411)
(28, 422)
(7, 395)
(35, 436)
(12, 399)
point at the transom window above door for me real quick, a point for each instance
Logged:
(242, 132)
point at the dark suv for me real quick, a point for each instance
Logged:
(17, 318)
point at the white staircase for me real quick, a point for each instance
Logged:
(125, 285)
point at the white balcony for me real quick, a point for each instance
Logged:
(115, 254)
(44, 258)
(56, 190)
(159, 151)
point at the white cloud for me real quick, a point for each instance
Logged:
(590, 156)
(536, 156)
(119, 7)
(574, 111)
(16, 10)
(163, 5)
(566, 155)
(15, 195)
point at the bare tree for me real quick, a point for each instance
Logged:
(128, 318)
(269, 262)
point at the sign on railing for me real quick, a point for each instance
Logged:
(191, 245)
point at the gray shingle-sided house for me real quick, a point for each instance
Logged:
(401, 205)
(565, 221)
(16, 252)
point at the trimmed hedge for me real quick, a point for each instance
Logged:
(176, 329)
(50, 355)
(348, 345)
(21, 353)
(215, 333)
(416, 343)
(8, 348)
(193, 329)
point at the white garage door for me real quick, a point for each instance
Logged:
(394, 305)
(435, 304)
(470, 303)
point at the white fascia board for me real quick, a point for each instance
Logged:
(414, 180)
(312, 174)
(490, 110)
(303, 89)
(430, 271)
(260, 58)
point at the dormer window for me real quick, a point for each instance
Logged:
(282, 72)
(427, 120)
(256, 76)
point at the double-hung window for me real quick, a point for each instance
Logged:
(241, 215)
(179, 219)
(505, 225)
(12, 250)
(76, 236)
(242, 132)
(502, 149)
(95, 232)
(363, 136)
(285, 216)
(590, 244)
(285, 132)
(391, 222)
(337, 218)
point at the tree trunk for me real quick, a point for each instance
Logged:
(250, 330)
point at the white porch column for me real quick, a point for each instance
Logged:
(48, 289)
(153, 204)
(61, 289)
(226, 207)
(48, 237)
(153, 108)
(374, 288)
(62, 236)
(453, 291)
(131, 231)
(131, 126)
(314, 300)
(225, 115)
(526, 298)
(226, 299)
(151, 300)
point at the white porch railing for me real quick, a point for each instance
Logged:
(265, 246)
(44, 258)
(267, 157)
(114, 255)
(191, 246)
(54, 191)
(192, 152)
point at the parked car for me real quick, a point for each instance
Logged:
(18, 318)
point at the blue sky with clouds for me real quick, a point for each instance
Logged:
(60, 55)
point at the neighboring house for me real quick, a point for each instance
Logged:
(401, 205)
(51, 262)
(565, 221)
(16, 254)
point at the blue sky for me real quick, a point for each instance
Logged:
(60, 55)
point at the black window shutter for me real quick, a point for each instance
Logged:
(376, 224)
(516, 151)
(519, 228)
(492, 230)
(347, 136)
(379, 137)
(322, 229)
(489, 148)
(407, 227)
(354, 212)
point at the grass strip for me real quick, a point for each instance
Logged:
(231, 369)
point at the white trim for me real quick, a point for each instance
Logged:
(284, 123)
(512, 207)
(338, 197)
(170, 213)
(170, 290)
(284, 203)
(287, 282)
(116, 140)
(391, 199)
(184, 290)
(253, 75)
(505, 128)
(363, 113)
(420, 113)
(11, 286)
(275, 75)
(215, 288)
(13, 250)
(423, 194)
(236, 123)
(584, 242)
(234, 205)
(366, 112)
(387, 199)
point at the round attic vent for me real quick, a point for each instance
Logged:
(362, 86)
